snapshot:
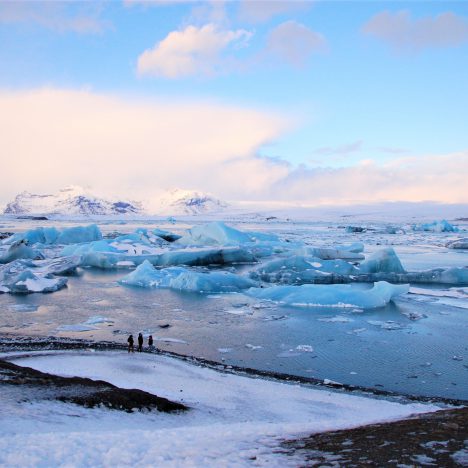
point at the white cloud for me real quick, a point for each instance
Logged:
(81, 17)
(52, 138)
(295, 43)
(192, 51)
(440, 178)
(403, 33)
(260, 11)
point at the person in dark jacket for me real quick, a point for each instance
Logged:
(150, 341)
(130, 344)
(140, 342)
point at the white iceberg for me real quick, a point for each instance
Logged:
(333, 295)
(215, 233)
(28, 276)
(146, 276)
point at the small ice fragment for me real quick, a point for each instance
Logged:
(224, 350)
(253, 347)
(305, 348)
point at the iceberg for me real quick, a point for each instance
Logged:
(190, 257)
(19, 250)
(72, 235)
(330, 253)
(382, 261)
(215, 233)
(455, 275)
(436, 226)
(458, 244)
(146, 276)
(333, 295)
(27, 276)
(298, 270)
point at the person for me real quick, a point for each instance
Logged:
(130, 344)
(140, 342)
(150, 341)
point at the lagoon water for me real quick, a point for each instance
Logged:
(417, 344)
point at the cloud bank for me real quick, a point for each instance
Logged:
(404, 34)
(52, 138)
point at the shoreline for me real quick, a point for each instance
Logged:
(21, 343)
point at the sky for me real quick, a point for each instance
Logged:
(303, 102)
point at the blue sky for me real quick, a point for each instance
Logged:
(340, 90)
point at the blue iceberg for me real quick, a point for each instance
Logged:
(436, 226)
(146, 276)
(332, 295)
(382, 261)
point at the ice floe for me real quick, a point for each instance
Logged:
(145, 275)
(334, 295)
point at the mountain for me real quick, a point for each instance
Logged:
(71, 200)
(189, 202)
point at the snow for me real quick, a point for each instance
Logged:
(234, 420)
(146, 276)
(334, 295)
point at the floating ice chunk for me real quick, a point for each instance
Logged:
(18, 250)
(336, 319)
(191, 257)
(94, 246)
(23, 307)
(224, 350)
(72, 235)
(394, 230)
(166, 235)
(355, 247)
(458, 244)
(96, 319)
(78, 327)
(28, 276)
(79, 234)
(354, 229)
(298, 269)
(329, 253)
(305, 348)
(385, 260)
(28, 282)
(436, 226)
(388, 325)
(253, 347)
(215, 233)
(334, 295)
(145, 275)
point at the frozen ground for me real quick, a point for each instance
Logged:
(233, 421)
(415, 344)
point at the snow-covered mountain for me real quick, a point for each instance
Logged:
(188, 202)
(71, 200)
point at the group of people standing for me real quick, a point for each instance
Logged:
(131, 343)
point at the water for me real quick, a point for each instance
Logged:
(391, 348)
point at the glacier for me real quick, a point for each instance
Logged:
(332, 295)
(146, 276)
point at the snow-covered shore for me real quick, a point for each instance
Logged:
(234, 420)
